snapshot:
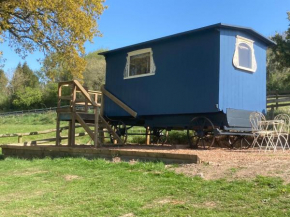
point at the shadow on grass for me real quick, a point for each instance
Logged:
(2, 157)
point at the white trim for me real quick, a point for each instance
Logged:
(245, 39)
(137, 52)
(138, 76)
(250, 43)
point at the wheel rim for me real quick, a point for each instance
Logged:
(200, 133)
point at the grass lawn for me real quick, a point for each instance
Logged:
(80, 187)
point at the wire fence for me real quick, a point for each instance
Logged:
(37, 111)
(31, 111)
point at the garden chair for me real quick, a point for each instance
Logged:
(260, 130)
(282, 133)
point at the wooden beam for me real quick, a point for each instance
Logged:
(94, 92)
(102, 105)
(85, 126)
(84, 92)
(284, 99)
(110, 130)
(96, 139)
(57, 130)
(65, 83)
(147, 135)
(119, 102)
(73, 118)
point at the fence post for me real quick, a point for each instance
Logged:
(19, 139)
(272, 112)
(277, 99)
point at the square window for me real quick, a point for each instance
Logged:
(139, 64)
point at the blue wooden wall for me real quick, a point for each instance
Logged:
(186, 79)
(241, 89)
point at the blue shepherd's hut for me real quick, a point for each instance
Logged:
(207, 71)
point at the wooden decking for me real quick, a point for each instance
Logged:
(30, 152)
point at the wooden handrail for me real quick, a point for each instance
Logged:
(84, 92)
(119, 102)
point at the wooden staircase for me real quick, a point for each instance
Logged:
(78, 110)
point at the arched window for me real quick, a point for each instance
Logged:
(244, 57)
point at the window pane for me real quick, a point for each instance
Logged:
(140, 64)
(245, 56)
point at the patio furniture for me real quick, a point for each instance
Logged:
(273, 129)
(283, 131)
(260, 130)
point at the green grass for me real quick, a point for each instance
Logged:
(30, 119)
(31, 123)
(80, 187)
(38, 122)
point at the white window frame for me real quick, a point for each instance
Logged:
(250, 43)
(137, 52)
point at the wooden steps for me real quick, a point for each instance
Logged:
(93, 123)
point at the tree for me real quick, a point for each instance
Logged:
(278, 62)
(94, 74)
(52, 26)
(23, 77)
(25, 91)
(55, 71)
(281, 52)
(27, 98)
(3, 90)
(3, 82)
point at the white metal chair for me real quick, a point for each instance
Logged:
(255, 119)
(282, 133)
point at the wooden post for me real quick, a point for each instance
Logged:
(277, 99)
(69, 142)
(102, 134)
(86, 105)
(96, 127)
(19, 139)
(147, 135)
(57, 142)
(102, 105)
(73, 117)
(272, 112)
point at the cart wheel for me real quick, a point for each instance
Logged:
(160, 136)
(121, 130)
(200, 132)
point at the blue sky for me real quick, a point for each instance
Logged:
(131, 21)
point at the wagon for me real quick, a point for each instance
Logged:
(206, 81)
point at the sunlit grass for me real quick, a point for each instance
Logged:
(80, 187)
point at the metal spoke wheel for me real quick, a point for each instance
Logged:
(121, 130)
(200, 132)
(160, 136)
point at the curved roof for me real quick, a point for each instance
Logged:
(250, 31)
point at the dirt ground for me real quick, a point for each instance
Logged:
(230, 164)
